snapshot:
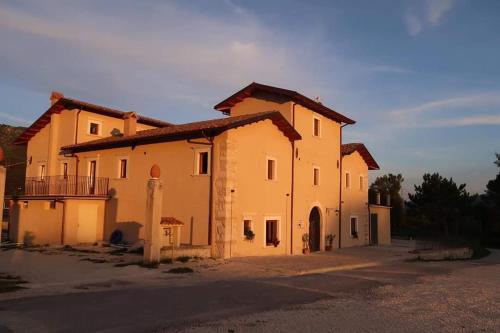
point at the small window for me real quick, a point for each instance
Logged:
(316, 176)
(316, 126)
(41, 171)
(64, 170)
(94, 128)
(272, 232)
(361, 183)
(203, 163)
(123, 168)
(354, 227)
(247, 229)
(347, 180)
(271, 169)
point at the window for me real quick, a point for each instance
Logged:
(123, 168)
(271, 169)
(347, 180)
(315, 176)
(41, 171)
(361, 183)
(64, 170)
(94, 128)
(202, 163)
(354, 227)
(247, 226)
(316, 126)
(272, 232)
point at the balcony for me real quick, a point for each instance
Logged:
(79, 186)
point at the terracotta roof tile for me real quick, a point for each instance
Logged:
(194, 130)
(169, 220)
(350, 148)
(65, 103)
(298, 98)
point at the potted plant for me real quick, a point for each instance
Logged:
(276, 242)
(305, 242)
(249, 235)
(329, 242)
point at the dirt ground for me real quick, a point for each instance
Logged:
(368, 289)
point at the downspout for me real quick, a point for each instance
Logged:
(63, 222)
(210, 190)
(293, 182)
(340, 188)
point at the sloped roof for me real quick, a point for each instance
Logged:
(298, 98)
(349, 148)
(65, 103)
(194, 130)
(169, 220)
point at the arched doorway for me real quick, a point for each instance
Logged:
(314, 229)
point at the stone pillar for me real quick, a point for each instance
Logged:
(3, 172)
(152, 244)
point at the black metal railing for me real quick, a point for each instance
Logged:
(66, 185)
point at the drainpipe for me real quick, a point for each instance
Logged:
(293, 182)
(63, 222)
(211, 187)
(340, 188)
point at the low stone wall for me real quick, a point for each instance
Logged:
(189, 251)
(446, 254)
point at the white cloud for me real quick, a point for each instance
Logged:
(437, 8)
(159, 51)
(476, 120)
(417, 116)
(426, 14)
(474, 100)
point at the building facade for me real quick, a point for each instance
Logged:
(272, 177)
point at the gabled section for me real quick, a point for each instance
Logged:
(61, 103)
(201, 129)
(349, 148)
(294, 96)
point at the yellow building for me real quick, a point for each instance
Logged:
(270, 178)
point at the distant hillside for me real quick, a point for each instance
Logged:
(15, 157)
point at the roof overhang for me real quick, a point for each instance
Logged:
(350, 148)
(294, 96)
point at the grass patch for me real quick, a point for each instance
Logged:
(480, 252)
(9, 283)
(70, 248)
(167, 261)
(150, 265)
(95, 260)
(183, 259)
(139, 250)
(180, 270)
(118, 252)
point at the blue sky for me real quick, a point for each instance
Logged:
(422, 78)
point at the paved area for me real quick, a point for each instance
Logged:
(378, 289)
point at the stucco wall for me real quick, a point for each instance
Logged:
(45, 146)
(355, 200)
(322, 152)
(384, 223)
(242, 166)
(37, 222)
(185, 195)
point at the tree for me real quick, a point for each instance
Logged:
(490, 204)
(391, 185)
(440, 201)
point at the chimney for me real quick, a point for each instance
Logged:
(55, 96)
(130, 126)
